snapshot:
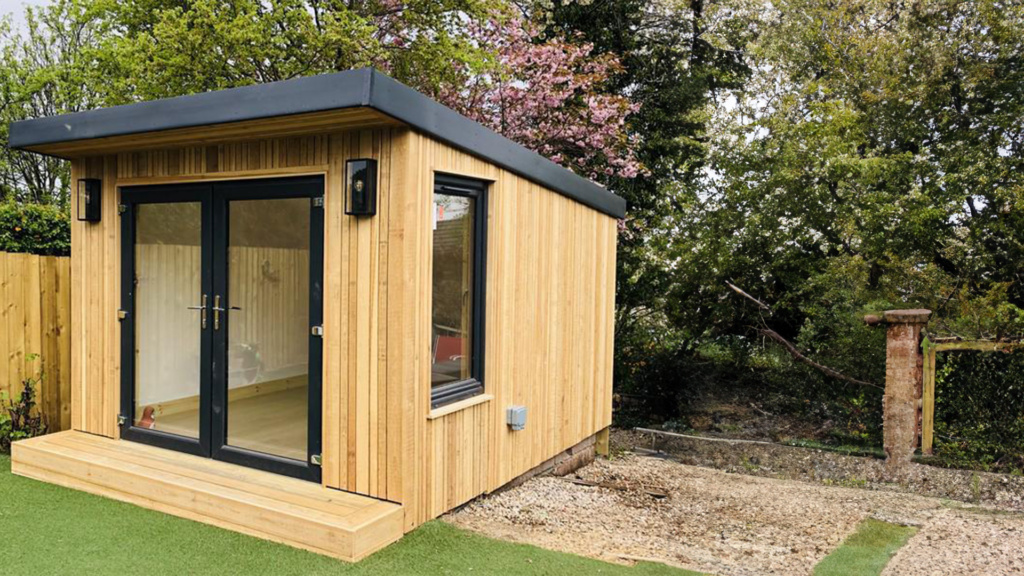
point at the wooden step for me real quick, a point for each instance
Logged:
(261, 504)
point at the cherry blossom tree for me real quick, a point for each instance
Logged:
(545, 95)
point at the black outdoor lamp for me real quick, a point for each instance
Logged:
(89, 200)
(361, 180)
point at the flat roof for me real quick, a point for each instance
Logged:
(365, 87)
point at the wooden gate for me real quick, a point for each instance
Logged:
(929, 348)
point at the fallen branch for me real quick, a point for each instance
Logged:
(652, 560)
(708, 438)
(805, 360)
(792, 349)
(657, 492)
(740, 291)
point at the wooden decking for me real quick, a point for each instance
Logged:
(261, 504)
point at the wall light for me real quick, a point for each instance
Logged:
(361, 184)
(89, 198)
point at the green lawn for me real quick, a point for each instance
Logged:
(867, 551)
(53, 530)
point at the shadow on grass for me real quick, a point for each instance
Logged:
(867, 551)
(52, 530)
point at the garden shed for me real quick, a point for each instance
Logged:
(322, 311)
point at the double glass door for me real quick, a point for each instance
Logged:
(221, 312)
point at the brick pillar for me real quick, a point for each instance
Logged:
(903, 380)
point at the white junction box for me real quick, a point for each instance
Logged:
(515, 416)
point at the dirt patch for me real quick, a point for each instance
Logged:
(1001, 491)
(710, 521)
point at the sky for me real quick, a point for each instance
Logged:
(16, 9)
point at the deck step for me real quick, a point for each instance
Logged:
(265, 505)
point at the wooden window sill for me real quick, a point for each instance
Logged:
(460, 405)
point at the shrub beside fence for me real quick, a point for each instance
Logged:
(35, 334)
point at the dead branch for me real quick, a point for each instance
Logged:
(801, 358)
(748, 296)
(792, 349)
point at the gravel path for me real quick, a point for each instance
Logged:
(958, 542)
(1003, 491)
(730, 524)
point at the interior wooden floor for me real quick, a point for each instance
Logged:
(261, 504)
(271, 422)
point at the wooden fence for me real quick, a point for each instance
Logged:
(35, 335)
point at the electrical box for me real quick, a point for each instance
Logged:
(516, 417)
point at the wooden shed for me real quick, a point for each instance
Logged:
(322, 311)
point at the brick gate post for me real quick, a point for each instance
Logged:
(903, 381)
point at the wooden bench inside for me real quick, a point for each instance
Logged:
(261, 504)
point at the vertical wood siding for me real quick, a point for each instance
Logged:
(549, 303)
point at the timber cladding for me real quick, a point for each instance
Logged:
(549, 313)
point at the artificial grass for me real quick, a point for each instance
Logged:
(867, 551)
(52, 530)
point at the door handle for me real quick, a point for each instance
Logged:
(202, 312)
(216, 312)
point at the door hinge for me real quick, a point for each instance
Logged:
(315, 459)
(317, 331)
(121, 314)
(121, 209)
(121, 420)
(318, 201)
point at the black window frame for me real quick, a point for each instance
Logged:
(454, 185)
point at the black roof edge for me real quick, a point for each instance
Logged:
(399, 101)
(354, 88)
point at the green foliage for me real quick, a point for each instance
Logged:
(979, 410)
(44, 71)
(17, 420)
(676, 57)
(35, 229)
(75, 55)
(870, 160)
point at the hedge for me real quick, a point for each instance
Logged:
(34, 229)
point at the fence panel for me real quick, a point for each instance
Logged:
(35, 317)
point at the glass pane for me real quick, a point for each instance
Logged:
(452, 289)
(168, 274)
(268, 327)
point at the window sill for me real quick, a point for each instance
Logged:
(460, 405)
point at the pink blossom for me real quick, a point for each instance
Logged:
(545, 96)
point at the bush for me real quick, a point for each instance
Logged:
(16, 419)
(34, 229)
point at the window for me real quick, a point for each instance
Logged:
(459, 246)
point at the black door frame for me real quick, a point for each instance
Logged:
(131, 197)
(215, 198)
(224, 194)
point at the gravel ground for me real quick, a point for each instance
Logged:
(1003, 491)
(731, 524)
(959, 542)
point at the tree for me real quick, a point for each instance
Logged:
(550, 95)
(877, 143)
(450, 49)
(43, 73)
(872, 160)
(676, 60)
